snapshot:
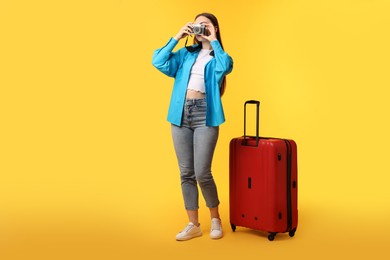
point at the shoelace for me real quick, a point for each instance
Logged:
(215, 225)
(188, 228)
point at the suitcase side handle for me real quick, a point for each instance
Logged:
(257, 103)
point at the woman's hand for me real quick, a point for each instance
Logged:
(184, 31)
(212, 33)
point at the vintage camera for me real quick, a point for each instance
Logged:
(199, 29)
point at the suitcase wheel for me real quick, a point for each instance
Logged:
(233, 227)
(291, 233)
(271, 236)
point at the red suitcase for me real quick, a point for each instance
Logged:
(263, 182)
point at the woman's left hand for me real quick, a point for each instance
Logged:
(212, 33)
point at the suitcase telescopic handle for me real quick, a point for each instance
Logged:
(257, 103)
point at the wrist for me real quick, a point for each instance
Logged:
(212, 38)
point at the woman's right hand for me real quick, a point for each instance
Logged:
(184, 31)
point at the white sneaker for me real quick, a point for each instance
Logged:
(216, 228)
(190, 231)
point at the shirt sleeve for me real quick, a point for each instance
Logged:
(224, 63)
(165, 60)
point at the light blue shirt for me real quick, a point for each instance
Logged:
(178, 65)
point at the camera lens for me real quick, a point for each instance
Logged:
(196, 29)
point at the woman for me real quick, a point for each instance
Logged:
(195, 113)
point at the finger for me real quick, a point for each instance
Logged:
(211, 29)
(190, 27)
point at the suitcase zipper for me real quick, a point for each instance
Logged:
(289, 206)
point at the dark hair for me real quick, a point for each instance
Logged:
(214, 21)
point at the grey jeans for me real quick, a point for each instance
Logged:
(194, 144)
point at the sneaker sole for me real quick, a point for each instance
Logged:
(189, 237)
(218, 237)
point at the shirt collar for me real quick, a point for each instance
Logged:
(197, 48)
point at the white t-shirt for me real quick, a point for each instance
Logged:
(196, 81)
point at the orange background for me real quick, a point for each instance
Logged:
(87, 167)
